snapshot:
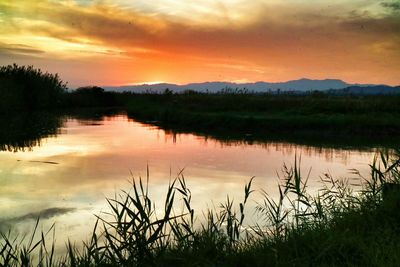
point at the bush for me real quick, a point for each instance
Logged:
(27, 88)
(91, 96)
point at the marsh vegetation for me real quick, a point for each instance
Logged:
(342, 224)
(310, 115)
(339, 226)
(307, 115)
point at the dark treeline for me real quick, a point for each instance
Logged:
(309, 115)
(26, 88)
(92, 96)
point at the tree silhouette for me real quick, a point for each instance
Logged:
(27, 88)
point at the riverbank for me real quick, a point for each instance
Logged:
(311, 114)
(26, 130)
(336, 227)
(319, 115)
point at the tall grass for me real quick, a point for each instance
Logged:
(27, 88)
(304, 116)
(265, 103)
(339, 226)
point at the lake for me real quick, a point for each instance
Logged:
(64, 167)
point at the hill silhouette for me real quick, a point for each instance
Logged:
(301, 85)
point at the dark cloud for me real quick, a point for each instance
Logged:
(129, 30)
(394, 6)
(19, 49)
(281, 31)
(43, 214)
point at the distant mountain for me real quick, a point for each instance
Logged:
(309, 85)
(295, 85)
(302, 85)
(366, 90)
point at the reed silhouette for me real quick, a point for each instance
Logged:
(27, 88)
(338, 226)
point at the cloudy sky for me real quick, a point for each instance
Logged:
(119, 42)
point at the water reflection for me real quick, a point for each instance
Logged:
(329, 153)
(23, 131)
(82, 159)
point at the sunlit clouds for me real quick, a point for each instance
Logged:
(119, 42)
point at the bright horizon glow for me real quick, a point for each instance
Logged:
(144, 83)
(118, 42)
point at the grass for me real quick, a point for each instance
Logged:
(336, 227)
(307, 116)
(27, 88)
(271, 114)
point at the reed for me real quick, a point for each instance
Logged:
(339, 226)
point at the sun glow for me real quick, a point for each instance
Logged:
(146, 83)
(116, 41)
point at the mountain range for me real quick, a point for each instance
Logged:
(334, 86)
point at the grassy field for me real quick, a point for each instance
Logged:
(336, 227)
(377, 116)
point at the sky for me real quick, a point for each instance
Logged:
(121, 42)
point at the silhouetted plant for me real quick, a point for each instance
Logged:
(92, 96)
(338, 227)
(28, 88)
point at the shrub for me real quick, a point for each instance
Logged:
(27, 88)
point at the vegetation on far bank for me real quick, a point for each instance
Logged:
(339, 226)
(364, 115)
(309, 115)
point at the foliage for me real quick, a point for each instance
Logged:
(264, 114)
(337, 227)
(27, 88)
(242, 101)
(91, 96)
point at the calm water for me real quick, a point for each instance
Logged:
(71, 171)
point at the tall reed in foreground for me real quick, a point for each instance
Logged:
(337, 226)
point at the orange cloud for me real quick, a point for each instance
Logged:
(114, 43)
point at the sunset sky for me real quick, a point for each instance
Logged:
(120, 42)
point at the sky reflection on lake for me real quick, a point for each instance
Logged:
(69, 175)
